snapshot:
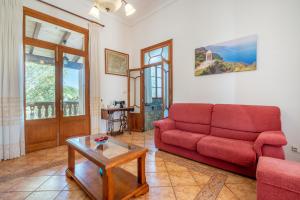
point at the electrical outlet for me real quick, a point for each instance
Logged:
(295, 149)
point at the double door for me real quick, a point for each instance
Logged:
(56, 94)
(150, 88)
(149, 94)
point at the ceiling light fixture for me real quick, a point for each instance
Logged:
(95, 12)
(110, 6)
(129, 9)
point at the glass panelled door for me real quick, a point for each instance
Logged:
(150, 87)
(73, 101)
(157, 82)
(40, 68)
(41, 94)
(153, 95)
(74, 110)
(134, 99)
(56, 81)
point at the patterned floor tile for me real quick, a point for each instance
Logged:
(158, 179)
(186, 192)
(29, 183)
(41, 176)
(182, 178)
(45, 195)
(14, 195)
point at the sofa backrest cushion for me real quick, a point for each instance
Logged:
(193, 117)
(244, 122)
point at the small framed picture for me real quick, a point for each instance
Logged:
(116, 63)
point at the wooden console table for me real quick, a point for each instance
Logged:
(108, 114)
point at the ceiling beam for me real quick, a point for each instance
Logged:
(35, 34)
(65, 37)
(75, 59)
(37, 29)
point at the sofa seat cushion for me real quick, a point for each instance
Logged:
(182, 139)
(234, 151)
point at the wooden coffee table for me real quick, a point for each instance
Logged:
(115, 182)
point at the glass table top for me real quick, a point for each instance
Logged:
(106, 151)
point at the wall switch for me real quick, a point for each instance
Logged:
(295, 149)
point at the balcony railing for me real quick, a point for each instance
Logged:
(44, 110)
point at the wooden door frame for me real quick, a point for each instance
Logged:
(57, 48)
(168, 43)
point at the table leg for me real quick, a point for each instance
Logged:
(108, 186)
(71, 160)
(141, 169)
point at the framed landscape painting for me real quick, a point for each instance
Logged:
(116, 63)
(233, 56)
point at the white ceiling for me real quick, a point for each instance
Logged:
(144, 8)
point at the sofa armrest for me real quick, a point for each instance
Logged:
(161, 126)
(164, 124)
(270, 138)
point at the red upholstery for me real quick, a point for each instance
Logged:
(274, 138)
(195, 128)
(273, 151)
(277, 179)
(197, 115)
(194, 155)
(234, 151)
(181, 138)
(231, 137)
(244, 121)
(164, 124)
(234, 134)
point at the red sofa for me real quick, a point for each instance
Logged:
(231, 137)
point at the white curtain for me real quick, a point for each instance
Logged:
(94, 59)
(12, 143)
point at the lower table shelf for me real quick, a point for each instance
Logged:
(87, 175)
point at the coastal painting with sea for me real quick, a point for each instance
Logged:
(232, 56)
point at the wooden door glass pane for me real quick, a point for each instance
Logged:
(45, 31)
(166, 89)
(152, 95)
(165, 53)
(134, 85)
(156, 52)
(39, 83)
(73, 85)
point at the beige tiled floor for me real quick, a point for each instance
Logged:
(41, 176)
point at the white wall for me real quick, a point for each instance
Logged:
(196, 23)
(115, 35)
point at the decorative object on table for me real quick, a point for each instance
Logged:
(116, 63)
(100, 171)
(232, 56)
(101, 139)
(120, 103)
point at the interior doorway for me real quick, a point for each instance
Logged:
(150, 88)
(56, 85)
